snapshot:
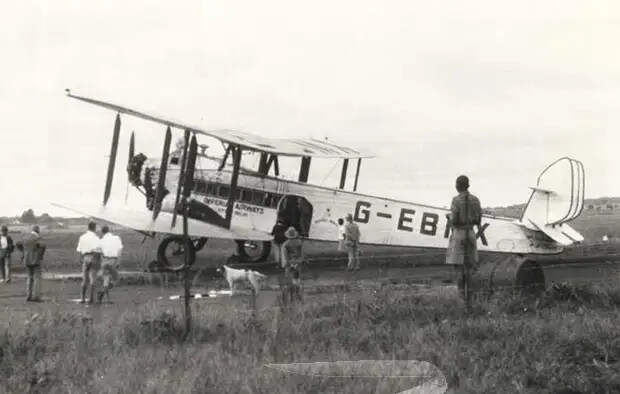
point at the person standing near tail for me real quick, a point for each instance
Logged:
(89, 248)
(465, 213)
(6, 248)
(111, 250)
(352, 243)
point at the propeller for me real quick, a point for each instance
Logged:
(132, 146)
(181, 178)
(161, 182)
(132, 143)
(112, 160)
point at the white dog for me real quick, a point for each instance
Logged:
(234, 275)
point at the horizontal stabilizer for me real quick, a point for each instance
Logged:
(562, 234)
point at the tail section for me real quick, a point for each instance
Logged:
(556, 199)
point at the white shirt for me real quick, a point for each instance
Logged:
(89, 243)
(341, 232)
(111, 245)
(4, 243)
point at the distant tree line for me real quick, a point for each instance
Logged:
(29, 217)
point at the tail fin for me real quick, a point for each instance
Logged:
(557, 198)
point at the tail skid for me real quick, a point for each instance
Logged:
(557, 198)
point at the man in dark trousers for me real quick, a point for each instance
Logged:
(465, 213)
(33, 251)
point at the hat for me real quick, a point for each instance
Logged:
(291, 233)
(349, 217)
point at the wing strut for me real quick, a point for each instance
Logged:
(160, 192)
(236, 153)
(343, 175)
(112, 160)
(357, 174)
(180, 181)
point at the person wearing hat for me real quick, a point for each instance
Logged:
(6, 248)
(352, 243)
(465, 213)
(292, 258)
(33, 251)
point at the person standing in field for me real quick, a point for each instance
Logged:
(33, 251)
(278, 240)
(6, 248)
(341, 235)
(351, 242)
(89, 249)
(292, 258)
(111, 250)
(465, 213)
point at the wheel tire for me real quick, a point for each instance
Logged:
(178, 239)
(245, 257)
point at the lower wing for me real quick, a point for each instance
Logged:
(143, 221)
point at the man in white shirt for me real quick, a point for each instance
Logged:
(341, 235)
(111, 248)
(89, 248)
(6, 248)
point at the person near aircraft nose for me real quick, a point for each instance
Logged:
(111, 250)
(465, 213)
(6, 248)
(89, 248)
(33, 251)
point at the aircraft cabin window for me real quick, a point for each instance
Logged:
(200, 186)
(224, 191)
(246, 195)
(258, 197)
(238, 194)
(212, 189)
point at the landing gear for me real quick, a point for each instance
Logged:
(516, 273)
(252, 251)
(171, 251)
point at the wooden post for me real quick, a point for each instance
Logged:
(186, 279)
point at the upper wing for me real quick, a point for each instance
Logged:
(283, 146)
(143, 221)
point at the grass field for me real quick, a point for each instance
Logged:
(565, 342)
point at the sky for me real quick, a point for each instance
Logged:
(492, 89)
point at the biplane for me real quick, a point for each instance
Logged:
(231, 200)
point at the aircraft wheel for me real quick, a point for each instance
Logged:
(171, 251)
(253, 251)
(515, 273)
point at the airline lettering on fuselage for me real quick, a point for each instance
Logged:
(428, 224)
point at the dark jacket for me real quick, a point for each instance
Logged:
(278, 233)
(33, 249)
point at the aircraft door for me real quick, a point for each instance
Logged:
(296, 211)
